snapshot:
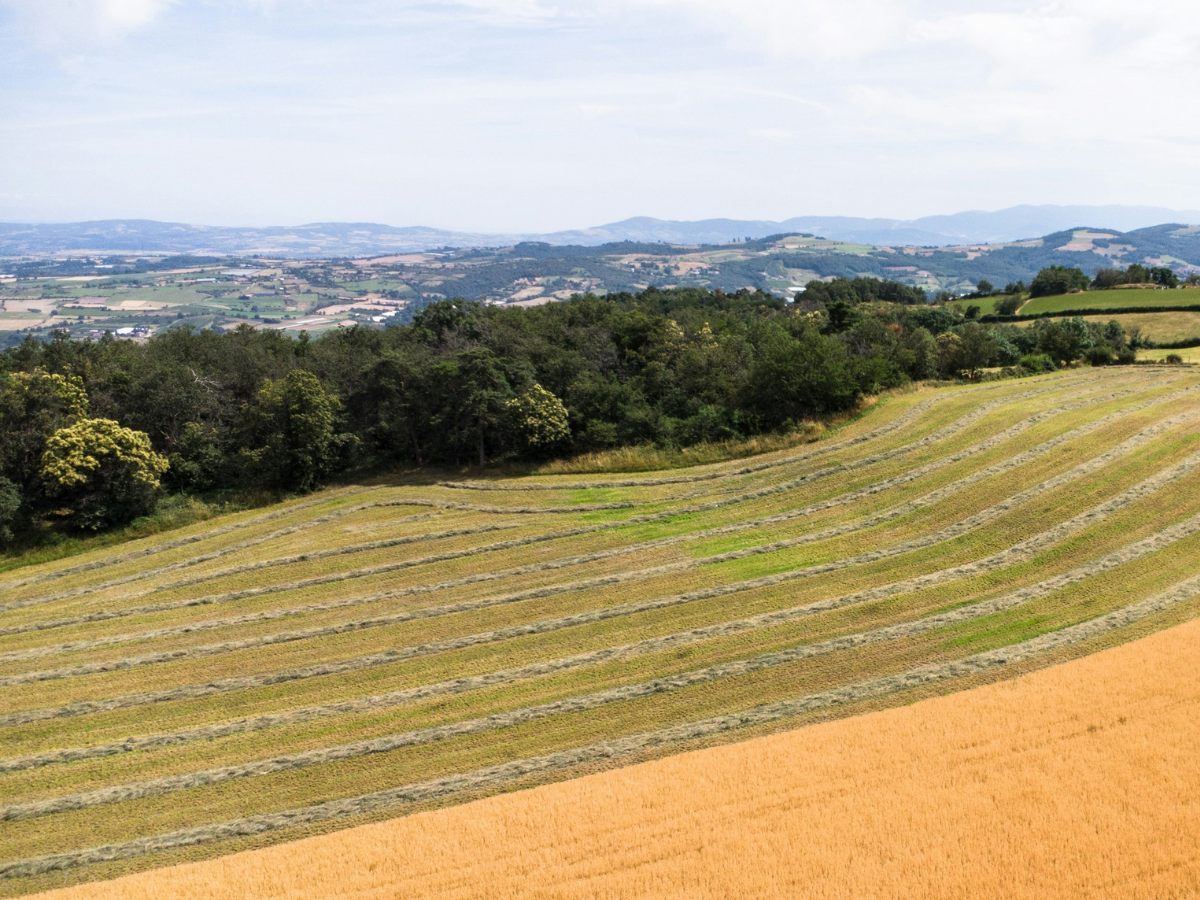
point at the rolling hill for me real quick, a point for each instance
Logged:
(381, 649)
(981, 793)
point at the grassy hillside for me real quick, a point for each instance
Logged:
(951, 797)
(1162, 327)
(1112, 299)
(372, 651)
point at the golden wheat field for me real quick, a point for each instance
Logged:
(1075, 781)
(377, 651)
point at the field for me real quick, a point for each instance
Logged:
(379, 650)
(1163, 327)
(1075, 781)
(1112, 299)
(1187, 354)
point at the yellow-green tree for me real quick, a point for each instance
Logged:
(99, 474)
(539, 419)
(33, 405)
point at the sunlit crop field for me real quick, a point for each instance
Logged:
(375, 651)
(1074, 781)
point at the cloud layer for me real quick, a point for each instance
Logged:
(541, 114)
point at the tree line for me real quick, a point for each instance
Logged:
(95, 430)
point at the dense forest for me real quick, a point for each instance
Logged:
(95, 430)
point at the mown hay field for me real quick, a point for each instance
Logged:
(1073, 781)
(1162, 327)
(377, 651)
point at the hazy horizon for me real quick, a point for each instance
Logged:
(539, 116)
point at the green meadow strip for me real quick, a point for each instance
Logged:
(868, 522)
(610, 750)
(509, 718)
(385, 568)
(1024, 550)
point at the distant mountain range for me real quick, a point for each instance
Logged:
(329, 239)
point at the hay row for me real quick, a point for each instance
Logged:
(247, 544)
(509, 718)
(556, 535)
(131, 555)
(390, 523)
(308, 556)
(1024, 550)
(868, 522)
(607, 751)
(1016, 554)
(900, 421)
(950, 532)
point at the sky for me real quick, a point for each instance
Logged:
(537, 115)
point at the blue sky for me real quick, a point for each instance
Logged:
(533, 115)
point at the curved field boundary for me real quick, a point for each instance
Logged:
(945, 534)
(1026, 549)
(556, 535)
(176, 543)
(290, 762)
(611, 750)
(1019, 553)
(860, 524)
(271, 563)
(900, 421)
(953, 428)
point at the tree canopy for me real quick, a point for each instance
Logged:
(199, 411)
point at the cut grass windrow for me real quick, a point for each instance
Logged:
(860, 524)
(610, 750)
(309, 556)
(386, 568)
(132, 555)
(899, 422)
(1022, 551)
(955, 427)
(950, 532)
(509, 718)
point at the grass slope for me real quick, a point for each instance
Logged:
(1119, 298)
(376, 651)
(1070, 782)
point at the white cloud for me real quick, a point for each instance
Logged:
(59, 24)
(548, 113)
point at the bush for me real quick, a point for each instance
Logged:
(1037, 363)
(1173, 359)
(100, 474)
(1008, 306)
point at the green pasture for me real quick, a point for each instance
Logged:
(1116, 298)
